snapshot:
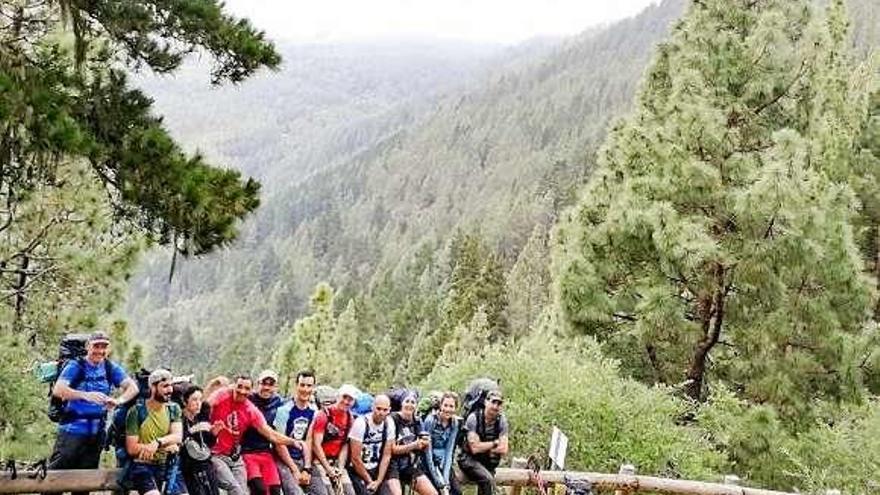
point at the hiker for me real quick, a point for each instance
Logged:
(231, 415)
(408, 449)
(84, 385)
(294, 418)
(443, 426)
(484, 444)
(330, 440)
(257, 451)
(195, 455)
(370, 441)
(153, 432)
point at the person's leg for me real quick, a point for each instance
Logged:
(454, 486)
(226, 477)
(253, 470)
(477, 473)
(289, 484)
(240, 473)
(320, 483)
(271, 478)
(423, 486)
(358, 485)
(143, 479)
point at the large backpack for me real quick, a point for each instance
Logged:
(71, 348)
(475, 395)
(115, 437)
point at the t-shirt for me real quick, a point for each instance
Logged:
(294, 422)
(406, 432)
(156, 424)
(236, 417)
(253, 440)
(373, 438)
(500, 424)
(335, 429)
(86, 418)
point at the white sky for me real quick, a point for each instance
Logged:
(504, 21)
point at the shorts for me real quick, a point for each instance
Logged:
(406, 473)
(261, 465)
(146, 477)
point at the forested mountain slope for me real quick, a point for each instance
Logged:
(499, 159)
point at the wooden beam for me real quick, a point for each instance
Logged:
(105, 480)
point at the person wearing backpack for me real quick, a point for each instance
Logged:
(443, 426)
(329, 440)
(256, 450)
(370, 441)
(82, 398)
(232, 413)
(295, 419)
(195, 454)
(485, 441)
(153, 432)
(409, 446)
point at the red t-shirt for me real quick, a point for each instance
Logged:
(335, 436)
(236, 416)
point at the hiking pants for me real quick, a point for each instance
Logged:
(478, 473)
(231, 474)
(76, 452)
(291, 486)
(322, 486)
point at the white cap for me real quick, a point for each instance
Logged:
(267, 374)
(349, 390)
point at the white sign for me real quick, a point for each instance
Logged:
(558, 447)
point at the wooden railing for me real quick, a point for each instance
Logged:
(105, 480)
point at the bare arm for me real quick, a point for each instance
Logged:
(129, 390)
(384, 462)
(284, 455)
(307, 446)
(275, 437)
(357, 462)
(503, 445)
(476, 446)
(318, 451)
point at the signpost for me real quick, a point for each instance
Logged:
(558, 449)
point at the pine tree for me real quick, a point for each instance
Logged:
(714, 240)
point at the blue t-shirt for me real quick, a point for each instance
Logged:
(86, 418)
(294, 422)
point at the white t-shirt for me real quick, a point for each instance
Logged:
(372, 437)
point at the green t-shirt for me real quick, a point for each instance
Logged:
(156, 425)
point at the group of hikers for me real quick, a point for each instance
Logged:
(240, 436)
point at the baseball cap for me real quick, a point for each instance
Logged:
(349, 390)
(267, 374)
(99, 336)
(159, 376)
(494, 394)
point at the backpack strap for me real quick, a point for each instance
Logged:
(80, 374)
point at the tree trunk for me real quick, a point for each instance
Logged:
(713, 319)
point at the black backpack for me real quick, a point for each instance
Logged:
(475, 395)
(72, 348)
(115, 437)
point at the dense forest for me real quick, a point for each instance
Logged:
(662, 236)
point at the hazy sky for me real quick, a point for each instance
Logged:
(505, 21)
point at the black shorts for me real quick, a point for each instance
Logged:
(146, 477)
(406, 473)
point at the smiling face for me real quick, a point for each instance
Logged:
(97, 351)
(242, 389)
(268, 387)
(162, 391)
(381, 409)
(194, 402)
(305, 385)
(408, 406)
(447, 408)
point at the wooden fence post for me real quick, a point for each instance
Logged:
(516, 463)
(625, 470)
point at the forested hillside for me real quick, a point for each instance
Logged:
(478, 176)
